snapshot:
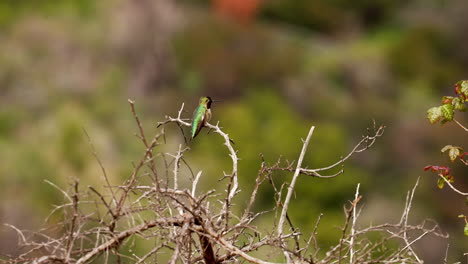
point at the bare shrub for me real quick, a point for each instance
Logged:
(189, 225)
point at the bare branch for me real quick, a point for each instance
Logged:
(195, 182)
(460, 125)
(365, 143)
(233, 184)
(127, 233)
(170, 216)
(452, 187)
(353, 226)
(291, 188)
(293, 182)
(104, 173)
(145, 142)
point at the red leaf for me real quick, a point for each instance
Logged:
(444, 170)
(427, 167)
(457, 89)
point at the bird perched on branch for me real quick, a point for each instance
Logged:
(201, 115)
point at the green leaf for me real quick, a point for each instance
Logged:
(440, 183)
(449, 178)
(447, 112)
(434, 114)
(454, 152)
(459, 104)
(446, 148)
(465, 231)
(463, 87)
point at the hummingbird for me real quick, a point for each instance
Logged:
(201, 115)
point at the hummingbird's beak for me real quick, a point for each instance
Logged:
(214, 101)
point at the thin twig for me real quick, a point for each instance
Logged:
(293, 182)
(195, 182)
(452, 187)
(104, 173)
(291, 188)
(353, 226)
(462, 126)
(145, 142)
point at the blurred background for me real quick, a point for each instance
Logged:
(279, 66)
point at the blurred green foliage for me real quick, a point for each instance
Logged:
(333, 64)
(11, 10)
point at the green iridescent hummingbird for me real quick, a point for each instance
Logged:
(201, 115)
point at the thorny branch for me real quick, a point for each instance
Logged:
(116, 225)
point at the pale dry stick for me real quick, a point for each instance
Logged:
(353, 226)
(293, 183)
(452, 187)
(462, 126)
(177, 158)
(446, 253)
(195, 182)
(404, 220)
(406, 210)
(349, 215)
(291, 187)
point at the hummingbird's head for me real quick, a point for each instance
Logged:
(206, 100)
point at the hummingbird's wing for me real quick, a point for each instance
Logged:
(198, 120)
